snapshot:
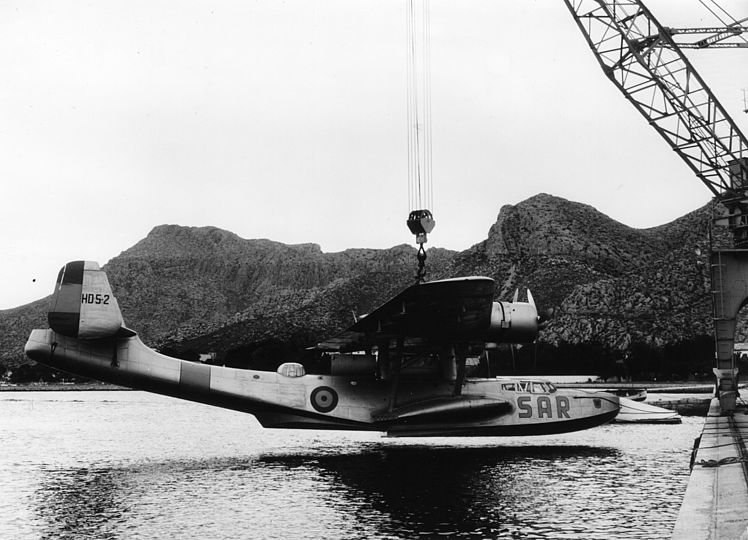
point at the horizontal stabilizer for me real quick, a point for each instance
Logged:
(83, 305)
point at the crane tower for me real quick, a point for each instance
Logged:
(645, 61)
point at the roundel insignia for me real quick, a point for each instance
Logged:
(324, 399)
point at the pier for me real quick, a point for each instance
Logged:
(687, 399)
(716, 501)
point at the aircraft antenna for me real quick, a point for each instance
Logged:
(418, 92)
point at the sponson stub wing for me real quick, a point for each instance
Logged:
(444, 310)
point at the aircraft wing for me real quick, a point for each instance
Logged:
(444, 311)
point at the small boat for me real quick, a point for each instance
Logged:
(636, 412)
(634, 394)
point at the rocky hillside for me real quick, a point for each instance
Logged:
(181, 283)
(603, 281)
(189, 290)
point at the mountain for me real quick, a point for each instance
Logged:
(605, 281)
(188, 290)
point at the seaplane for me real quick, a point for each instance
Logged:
(400, 370)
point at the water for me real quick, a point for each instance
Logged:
(131, 465)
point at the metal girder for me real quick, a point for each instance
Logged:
(720, 36)
(640, 57)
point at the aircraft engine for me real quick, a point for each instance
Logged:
(353, 364)
(83, 305)
(513, 322)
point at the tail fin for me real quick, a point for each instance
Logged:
(83, 305)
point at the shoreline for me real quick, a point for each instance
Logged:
(62, 387)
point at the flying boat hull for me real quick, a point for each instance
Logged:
(416, 383)
(485, 407)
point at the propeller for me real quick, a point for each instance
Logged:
(544, 316)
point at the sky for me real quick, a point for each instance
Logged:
(287, 120)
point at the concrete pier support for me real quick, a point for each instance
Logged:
(729, 273)
(715, 505)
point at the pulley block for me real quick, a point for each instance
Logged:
(420, 223)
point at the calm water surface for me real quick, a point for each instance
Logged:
(130, 465)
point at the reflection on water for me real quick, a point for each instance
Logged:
(81, 503)
(147, 467)
(379, 491)
(452, 491)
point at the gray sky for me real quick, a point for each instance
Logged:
(287, 120)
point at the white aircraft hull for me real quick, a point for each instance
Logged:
(423, 408)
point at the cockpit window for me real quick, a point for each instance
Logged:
(529, 386)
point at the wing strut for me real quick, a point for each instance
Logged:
(460, 350)
(397, 363)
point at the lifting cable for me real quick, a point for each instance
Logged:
(418, 106)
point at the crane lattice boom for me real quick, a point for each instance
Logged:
(641, 58)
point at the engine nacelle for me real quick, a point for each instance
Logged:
(513, 322)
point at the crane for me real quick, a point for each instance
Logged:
(645, 61)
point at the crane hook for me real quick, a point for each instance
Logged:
(421, 265)
(420, 223)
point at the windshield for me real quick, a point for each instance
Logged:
(534, 387)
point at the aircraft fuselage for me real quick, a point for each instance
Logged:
(348, 402)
